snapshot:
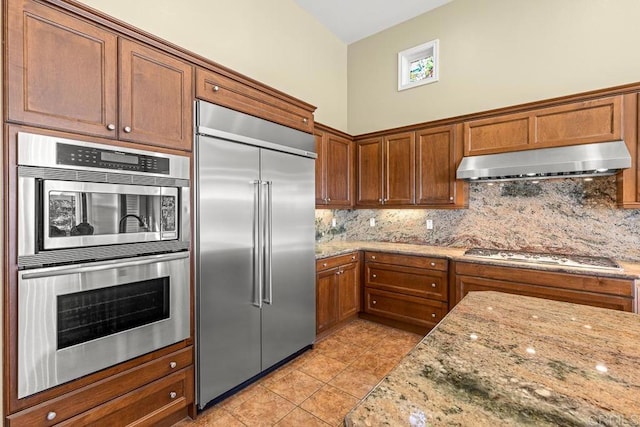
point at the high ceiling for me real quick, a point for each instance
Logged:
(352, 20)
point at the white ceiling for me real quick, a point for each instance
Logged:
(352, 20)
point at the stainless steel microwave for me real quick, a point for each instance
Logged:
(81, 201)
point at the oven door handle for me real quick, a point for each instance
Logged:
(103, 265)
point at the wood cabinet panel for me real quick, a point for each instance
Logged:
(335, 261)
(584, 122)
(348, 291)
(228, 92)
(83, 400)
(437, 157)
(334, 170)
(337, 290)
(628, 181)
(156, 97)
(326, 299)
(405, 308)
(419, 282)
(369, 172)
(466, 284)
(399, 169)
(441, 264)
(61, 71)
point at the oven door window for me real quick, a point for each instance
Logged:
(89, 315)
(88, 214)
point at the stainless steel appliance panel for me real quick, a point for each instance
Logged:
(228, 297)
(288, 315)
(44, 361)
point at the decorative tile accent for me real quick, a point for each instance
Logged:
(562, 216)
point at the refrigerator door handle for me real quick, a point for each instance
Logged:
(267, 244)
(257, 244)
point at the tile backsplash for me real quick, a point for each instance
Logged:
(563, 216)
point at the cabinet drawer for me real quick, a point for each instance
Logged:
(146, 406)
(93, 395)
(419, 282)
(222, 90)
(407, 260)
(405, 308)
(335, 261)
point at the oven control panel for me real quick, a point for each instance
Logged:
(75, 155)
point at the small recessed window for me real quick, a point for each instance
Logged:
(418, 66)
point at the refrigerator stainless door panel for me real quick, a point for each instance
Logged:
(228, 321)
(288, 315)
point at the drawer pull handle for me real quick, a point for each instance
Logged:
(374, 302)
(451, 198)
(373, 257)
(111, 126)
(305, 120)
(433, 315)
(353, 257)
(324, 264)
(172, 365)
(216, 88)
(51, 416)
(433, 285)
(374, 276)
(433, 264)
(127, 129)
(173, 395)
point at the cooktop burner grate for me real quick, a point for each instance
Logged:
(545, 258)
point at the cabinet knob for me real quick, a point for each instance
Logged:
(433, 315)
(324, 264)
(305, 120)
(216, 88)
(338, 272)
(173, 394)
(374, 302)
(51, 416)
(433, 264)
(172, 365)
(373, 257)
(353, 257)
(433, 285)
(380, 200)
(385, 200)
(111, 126)
(328, 199)
(451, 198)
(374, 276)
(127, 129)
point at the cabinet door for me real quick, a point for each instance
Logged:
(436, 166)
(156, 97)
(399, 169)
(321, 169)
(326, 299)
(369, 181)
(348, 290)
(339, 170)
(61, 71)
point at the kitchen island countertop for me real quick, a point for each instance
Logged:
(629, 270)
(499, 359)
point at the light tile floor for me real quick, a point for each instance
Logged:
(319, 387)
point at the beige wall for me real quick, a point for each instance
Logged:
(494, 53)
(275, 42)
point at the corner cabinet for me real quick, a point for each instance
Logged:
(386, 170)
(68, 74)
(337, 290)
(334, 168)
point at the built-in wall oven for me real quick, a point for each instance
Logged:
(103, 257)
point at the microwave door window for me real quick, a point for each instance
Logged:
(63, 208)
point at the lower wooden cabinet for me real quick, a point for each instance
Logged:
(412, 290)
(155, 393)
(337, 290)
(612, 293)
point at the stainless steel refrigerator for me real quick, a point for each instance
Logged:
(255, 238)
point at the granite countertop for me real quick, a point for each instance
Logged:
(323, 250)
(500, 360)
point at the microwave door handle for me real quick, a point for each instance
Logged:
(104, 265)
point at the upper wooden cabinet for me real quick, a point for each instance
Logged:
(386, 170)
(438, 152)
(334, 168)
(584, 122)
(63, 74)
(628, 181)
(254, 100)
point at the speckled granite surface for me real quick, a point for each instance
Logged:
(629, 270)
(504, 360)
(563, 216)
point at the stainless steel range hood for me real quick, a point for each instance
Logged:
(605, 158)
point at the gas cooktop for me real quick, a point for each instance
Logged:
(545, 258)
